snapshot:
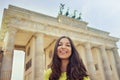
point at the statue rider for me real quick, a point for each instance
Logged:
(61, 9)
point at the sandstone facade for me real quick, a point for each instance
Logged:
(36, 33)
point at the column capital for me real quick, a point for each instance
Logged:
(11, 30)
(115, 48)
(9, 39)
(102, 46)
(38, 35)
(87, 45)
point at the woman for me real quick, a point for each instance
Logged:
(66, 63)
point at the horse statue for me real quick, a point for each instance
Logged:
(74, 15)
(67, 12)
(61, 9)
(79, 17)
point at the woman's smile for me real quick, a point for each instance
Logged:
(63, 51)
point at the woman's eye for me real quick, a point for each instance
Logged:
(59, 44)
(68, 45)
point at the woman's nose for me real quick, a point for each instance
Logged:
(63, 46)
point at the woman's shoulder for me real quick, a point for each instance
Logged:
(86, 78)
(47, 74)
(48, 71)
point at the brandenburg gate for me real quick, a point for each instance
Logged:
(36, 33)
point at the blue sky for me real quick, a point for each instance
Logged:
(100, 14)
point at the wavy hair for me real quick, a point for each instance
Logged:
(75, 68)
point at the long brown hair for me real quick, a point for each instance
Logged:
(75, 68)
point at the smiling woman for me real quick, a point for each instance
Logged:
(64, 49)
(66, 63)
(18, 65)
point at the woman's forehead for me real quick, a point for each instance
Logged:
(64, 40)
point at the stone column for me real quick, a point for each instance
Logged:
(106, 65)
(8, 48)
(117, 60)
(39, 57)
(99, 69)
(81, 51)
(90, 62)
(113, 64)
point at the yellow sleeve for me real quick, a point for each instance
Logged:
(47, 74)
(86, 78)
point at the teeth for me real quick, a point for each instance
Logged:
(63, 52)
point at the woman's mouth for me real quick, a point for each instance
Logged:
(63, 51)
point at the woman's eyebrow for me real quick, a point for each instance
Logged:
(68, 42)
(60, 42)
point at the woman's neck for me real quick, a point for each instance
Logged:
(64, 65)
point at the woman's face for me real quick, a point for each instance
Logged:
(64, 49)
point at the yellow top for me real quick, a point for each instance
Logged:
(62, 77)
